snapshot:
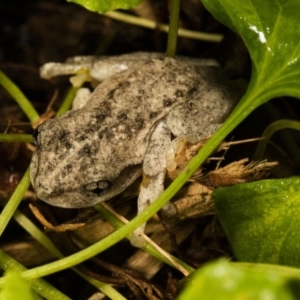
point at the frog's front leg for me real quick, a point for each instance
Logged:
(81, 98)
(154, 168)
(98, 68)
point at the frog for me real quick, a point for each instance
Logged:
(126, 127)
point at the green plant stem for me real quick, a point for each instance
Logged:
(142, 218)
(14, 201)
(11, 209)
(67, 103)
(270, 130)
(117, 223)
(38, 285)
(16, 137)
(37, 234)
(242, 110)
(286, 136)
(21, 99)
(22, 187)
(173, 29)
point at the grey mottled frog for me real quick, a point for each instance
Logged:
(124, 128)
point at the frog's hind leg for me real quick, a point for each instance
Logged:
(154, 168)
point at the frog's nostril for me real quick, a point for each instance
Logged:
(98, 188)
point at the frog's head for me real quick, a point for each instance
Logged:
(75, 170)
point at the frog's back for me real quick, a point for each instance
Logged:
(131, 102)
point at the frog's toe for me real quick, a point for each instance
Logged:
(81, 98)
(137, 238)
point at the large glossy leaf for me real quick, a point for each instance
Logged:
(271, 31)
(103, 6)
(262, 220)
(222, 280)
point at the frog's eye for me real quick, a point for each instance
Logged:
(98, 188)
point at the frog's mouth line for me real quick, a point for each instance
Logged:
(71, 200)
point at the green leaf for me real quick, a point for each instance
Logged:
(103, 6)
(271, 32)
(16, 287)
(262, 220)
(223, 280)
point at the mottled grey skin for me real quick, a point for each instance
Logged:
(91, 154)
(102, 67)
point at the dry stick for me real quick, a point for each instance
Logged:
(215, 38)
